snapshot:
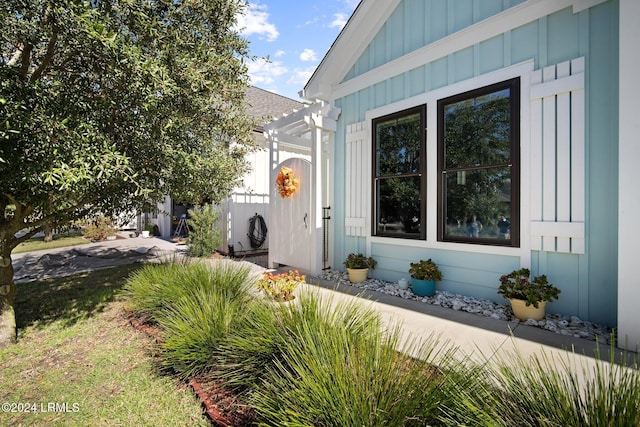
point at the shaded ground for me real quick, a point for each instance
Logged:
(43, 265)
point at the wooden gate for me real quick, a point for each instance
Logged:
(291, 220)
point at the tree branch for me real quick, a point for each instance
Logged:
(16, 55)
(26, 61)
(48, 57)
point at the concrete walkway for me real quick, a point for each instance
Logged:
(60, 262)
(478, 337)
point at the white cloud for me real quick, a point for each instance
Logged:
(255, 20)
(308, 55)
(300, 77)
(264, 72)
(311, 21)
(339, 20)
(279, 53)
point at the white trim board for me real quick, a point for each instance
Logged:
(470, 36)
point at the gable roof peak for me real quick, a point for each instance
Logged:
(365, 22)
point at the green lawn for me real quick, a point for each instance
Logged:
(37, 244)
(79, 362)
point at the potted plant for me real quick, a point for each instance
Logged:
(528, 297)
(358, 267)
(148, 229)
(280, 287)
(424, 275)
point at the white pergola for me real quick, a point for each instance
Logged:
(307, 134)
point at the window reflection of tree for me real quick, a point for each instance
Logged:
(477, 157)
(398, 175)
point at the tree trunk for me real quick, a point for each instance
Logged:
(8, 291)
(48, 233)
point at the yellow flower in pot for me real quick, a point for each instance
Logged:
(280, 287)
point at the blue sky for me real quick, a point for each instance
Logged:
(295, 35)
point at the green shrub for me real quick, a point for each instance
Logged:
(156, 287)
(195, 304)
(204, 238)
(339, 367)
(258, 342)
(563, 391)
(99, 228)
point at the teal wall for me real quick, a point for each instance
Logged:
(417, 23)
(588, 282)
(459, 271)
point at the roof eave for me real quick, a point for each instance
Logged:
(365, 22)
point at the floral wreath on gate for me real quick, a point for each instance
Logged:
(286, 182)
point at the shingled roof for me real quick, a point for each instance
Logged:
(269, 105)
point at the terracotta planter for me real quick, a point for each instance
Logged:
(357, 275)
(423, 288)
(524, 312)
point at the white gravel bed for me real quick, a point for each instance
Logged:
(564, 325)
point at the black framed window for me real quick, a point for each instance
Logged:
(479, 165)
(399, 180)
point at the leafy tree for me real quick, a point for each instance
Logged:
(107, 105)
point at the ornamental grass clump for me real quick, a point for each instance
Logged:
(563, 391)
(154, 287)
(193, 327)
(195, 305)
(339, 366)
(280, 287)
(259, 340)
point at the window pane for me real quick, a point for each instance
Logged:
(398, 205)
(477, 131)
(398, 146)
(476, 201)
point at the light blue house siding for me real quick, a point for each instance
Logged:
(588, 281)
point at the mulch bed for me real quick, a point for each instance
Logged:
(223, 406)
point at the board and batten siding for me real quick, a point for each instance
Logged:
(417, 23)
(572, 230)
(556, 180)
